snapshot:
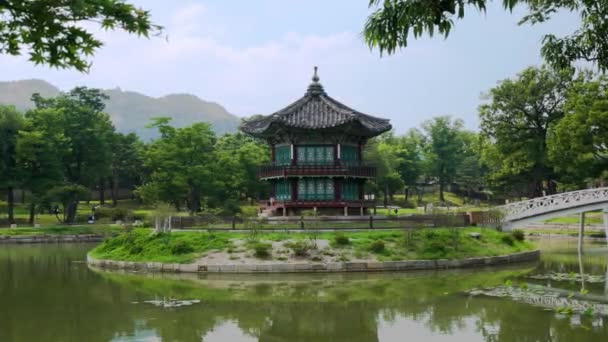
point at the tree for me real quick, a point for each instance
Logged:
(517, 120)
(578, 145)
(384, 153)
(411, 166)
(444, 149)
(471, 171)
(242, 156)
(87, 131)
(389, 27)
(182, 164)
(53, 31)
(127, 166)
(11, 122)
(37, 155)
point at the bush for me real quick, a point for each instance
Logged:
(262, 250)
(113, 214)
(341, 239)
(519, 235)
(377, 246)
(300, 248)
(181, 247)
(508, 239)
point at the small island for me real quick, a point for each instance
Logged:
(264, 252)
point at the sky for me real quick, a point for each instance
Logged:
(257, 56)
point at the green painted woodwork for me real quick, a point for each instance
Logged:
(350, 189)
(282, 155)
(315, 155)
(315, 189)
(349, 154)
(283, 190)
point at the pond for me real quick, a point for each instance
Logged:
(49, 294)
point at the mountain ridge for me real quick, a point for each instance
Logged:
(130, 110)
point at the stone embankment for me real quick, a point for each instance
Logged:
(375, 266)
(51, 238)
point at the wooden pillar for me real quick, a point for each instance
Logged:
(581, 231)
(345, 211)
(361, 210)
(337, 189)
(294, 189)
(273, 153)
(336, 155)
(361, 183)
(339, 151)
(294, 156)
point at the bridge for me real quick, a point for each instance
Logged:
(519, 214)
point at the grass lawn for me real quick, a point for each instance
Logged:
(62, 230)
(428, 243)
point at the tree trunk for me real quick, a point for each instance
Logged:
(70, 211)
(114, 190)
(32, 219)
(10, 200)
(407, 193)
(102, 192)
(441, 198)
(385, 194)
(22, 196)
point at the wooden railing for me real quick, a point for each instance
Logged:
(335, 169)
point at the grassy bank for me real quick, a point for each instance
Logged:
(62, 230)
(432, 243)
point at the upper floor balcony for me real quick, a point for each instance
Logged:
(299, 169)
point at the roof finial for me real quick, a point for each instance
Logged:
(315, 77)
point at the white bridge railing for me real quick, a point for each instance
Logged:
(542, 205)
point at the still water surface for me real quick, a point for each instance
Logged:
(47, 293)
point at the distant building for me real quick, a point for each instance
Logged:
(316, 145)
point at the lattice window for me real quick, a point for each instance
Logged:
(282, 155)
(283, 190)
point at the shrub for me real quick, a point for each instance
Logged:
(377, 246)
(300, 248)
(518, 235)
(181, 247)
(508, 239)
(341, 239)
(262, 250)
(113, 214)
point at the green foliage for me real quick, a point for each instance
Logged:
(389, 27)
(341, 239)
(578, 145)
(52, 33)
(182, 166)
(113, 214)
(377, 246)
(181, 247)
(508, 239)
(300, 248)
(11, 122)
(518, 234)
(518, 118)
(262, 250)
(444, 149)
(142, 245)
